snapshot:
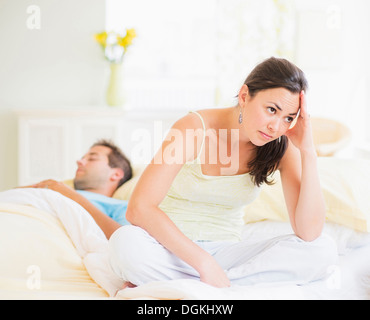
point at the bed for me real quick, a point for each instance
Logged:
(51, 248)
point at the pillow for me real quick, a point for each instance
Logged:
(69, 183)
(344, 187)
(343, 182)
(124, 192)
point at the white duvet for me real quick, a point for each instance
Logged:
(88, 239)
(346, 280)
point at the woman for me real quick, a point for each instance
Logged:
(186, 210)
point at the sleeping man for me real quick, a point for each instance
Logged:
(100, 172)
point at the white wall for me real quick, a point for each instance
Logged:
(331, 46)
(340, 82)
(58, 64)
(61, 65)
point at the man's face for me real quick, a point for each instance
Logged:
(93, 170)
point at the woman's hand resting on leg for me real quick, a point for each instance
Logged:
(212, 274)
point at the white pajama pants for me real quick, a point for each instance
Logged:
(137, 257)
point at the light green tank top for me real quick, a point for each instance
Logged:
(208, 208)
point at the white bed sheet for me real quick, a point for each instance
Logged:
(88, 239)
(348, 279)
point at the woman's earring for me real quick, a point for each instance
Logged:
(279, 140)
(240, 116)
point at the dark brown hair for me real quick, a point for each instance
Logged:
(272, 73)
(117, 159)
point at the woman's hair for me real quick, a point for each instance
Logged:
(272, 73)
(117, 159)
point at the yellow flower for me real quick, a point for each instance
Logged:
(114, 45)
(101, 38)
(131, 33)
(127, 39)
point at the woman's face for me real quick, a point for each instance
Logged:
(269, 114)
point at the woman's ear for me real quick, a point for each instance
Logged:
(243, 95)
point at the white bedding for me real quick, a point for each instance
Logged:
(88, 239)
(346, 280)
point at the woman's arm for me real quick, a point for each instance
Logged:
(107, 224)
(303, 195)
(143, 209)
(300, 180)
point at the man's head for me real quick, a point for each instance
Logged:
(102, 169)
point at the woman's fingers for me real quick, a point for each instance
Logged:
(303, 110)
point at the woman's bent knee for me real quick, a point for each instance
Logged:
(327, 250)
(126, 250)
(323, 255)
